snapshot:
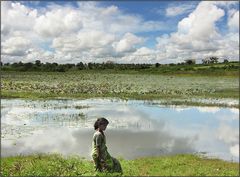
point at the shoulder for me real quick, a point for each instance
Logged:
(97, 134)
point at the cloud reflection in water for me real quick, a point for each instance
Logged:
(136, 129)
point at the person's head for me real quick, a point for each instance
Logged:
(101, 124)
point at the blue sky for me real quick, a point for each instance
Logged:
(158, 31)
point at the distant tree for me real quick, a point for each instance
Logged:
(225, 61)
(90, 65)
(213, 59)
(54, 64)
(38, 63)
(109, 62)
(210, 60)
(20, 63)
(157, 65)
(23, 66)
(80, 66)
(60, 68)
(17, 66)
(182, 63)
(98, 65)
(190, 61)
(110, 66)
(48, 67)
(1, 64)
(14, 65)
(69, 66)
(28, 65)
(205, 61)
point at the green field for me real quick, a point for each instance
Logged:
(177, 165)
(173, 88)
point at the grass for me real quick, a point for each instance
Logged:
(176, 165)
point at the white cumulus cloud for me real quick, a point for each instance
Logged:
(127, 43)
(235, 150)
(178, 10)
(58, 21)
(233, 20)
(15, 46)
(16, 17)
(197, 36)
(93, 32)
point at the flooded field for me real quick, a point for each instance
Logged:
(136, 129)
(174, 89)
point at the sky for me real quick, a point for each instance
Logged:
(119, 31)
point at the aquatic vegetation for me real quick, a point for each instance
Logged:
(81, 107)
(30, 116)
(144, 86)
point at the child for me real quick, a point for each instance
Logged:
(102, 159)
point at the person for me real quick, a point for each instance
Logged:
(102, 159)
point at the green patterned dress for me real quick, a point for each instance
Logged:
(107, 162)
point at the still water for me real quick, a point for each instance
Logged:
(136, 128)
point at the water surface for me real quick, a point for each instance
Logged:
(136, 129)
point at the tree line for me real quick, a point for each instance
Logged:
(52, 67)
(38, 66)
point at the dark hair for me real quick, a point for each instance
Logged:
(100, 121)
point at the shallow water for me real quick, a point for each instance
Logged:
(136, 129)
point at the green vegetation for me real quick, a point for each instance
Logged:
(126, 86)
(57, 165)
(178, 84)
(209, 66)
